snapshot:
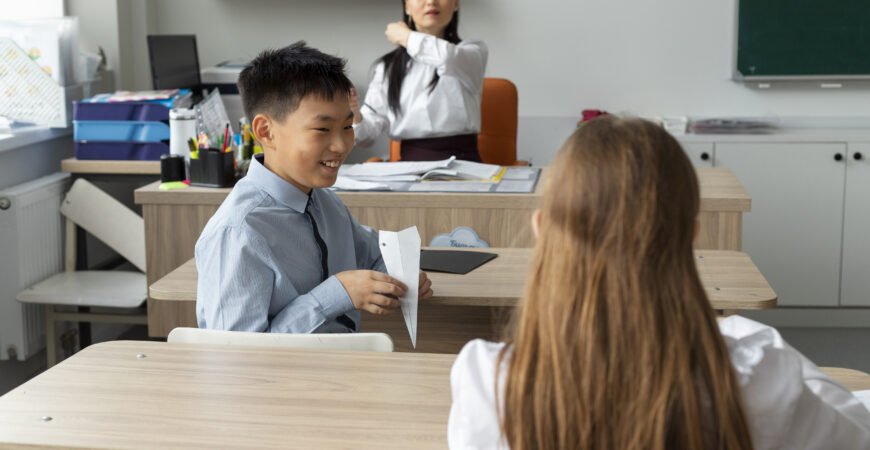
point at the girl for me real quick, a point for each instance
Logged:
(615, 344)
(426, 91)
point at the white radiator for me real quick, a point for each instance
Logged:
(31, 249)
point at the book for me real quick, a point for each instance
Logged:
(449, 169)
(465, 171)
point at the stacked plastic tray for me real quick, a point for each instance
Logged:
(121, 130)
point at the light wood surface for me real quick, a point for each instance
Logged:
(478, 304)
(720, 191)
(731, 280)
(853, 380)
(126, 394)
(73, 165)
(174, 220)
(185, 396)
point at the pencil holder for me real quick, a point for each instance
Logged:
(212, 169)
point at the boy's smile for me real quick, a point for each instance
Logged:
(311, 143)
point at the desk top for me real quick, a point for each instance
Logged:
(73, 165)
(731, 279)
(853, 380)
(720, 191)
(183, 395)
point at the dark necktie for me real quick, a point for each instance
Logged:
(324, 263)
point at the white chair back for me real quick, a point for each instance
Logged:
(373, 342)
(106, 219)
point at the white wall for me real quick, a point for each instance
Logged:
(668, 57)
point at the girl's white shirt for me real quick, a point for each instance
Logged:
(789, 403)
(452, 108)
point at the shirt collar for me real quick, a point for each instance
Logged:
(279, 188)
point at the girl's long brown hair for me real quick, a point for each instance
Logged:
(615, 344)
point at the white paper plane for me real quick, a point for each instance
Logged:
(401, 252)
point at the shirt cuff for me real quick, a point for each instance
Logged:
(415, 43)
(332, 298)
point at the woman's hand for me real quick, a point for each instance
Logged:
(398, 32)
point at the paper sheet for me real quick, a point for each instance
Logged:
(349, 184)
(451, 186)
(520, 173)
(388, 178)
(515, 186)
(401, 252)
(474, 170)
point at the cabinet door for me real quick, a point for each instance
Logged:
(794, 230)
(856, 228)
(701, 153)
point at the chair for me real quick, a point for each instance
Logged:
(497, 140)
(122, 230)
(372, 342)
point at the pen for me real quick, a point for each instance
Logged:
(191, 143)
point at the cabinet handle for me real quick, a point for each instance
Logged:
(838, 156)
(706, 156)
(858, 156)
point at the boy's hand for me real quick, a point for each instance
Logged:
(398, 32)
(372, 291)
(354, 105)
(425, 290)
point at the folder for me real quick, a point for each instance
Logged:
(453, 261)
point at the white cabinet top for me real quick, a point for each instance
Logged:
(785, 135)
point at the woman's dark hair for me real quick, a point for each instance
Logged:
(396, 62)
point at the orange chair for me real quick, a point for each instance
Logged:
(497, 140)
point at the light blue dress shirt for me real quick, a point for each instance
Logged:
(259, 264)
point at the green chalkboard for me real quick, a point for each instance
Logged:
(803, 38)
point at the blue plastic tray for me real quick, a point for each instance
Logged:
(132, 111)
(105, 130)
(143, 151)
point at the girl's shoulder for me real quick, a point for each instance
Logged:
(479, 351)
(476, 363)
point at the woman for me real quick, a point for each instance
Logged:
(615, 344)
(427, 91)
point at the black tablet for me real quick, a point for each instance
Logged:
(453, 261)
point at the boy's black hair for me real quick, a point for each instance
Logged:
(277, 80)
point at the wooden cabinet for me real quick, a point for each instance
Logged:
(855, 288)
(702, 154)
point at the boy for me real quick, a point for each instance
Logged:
(282, 254)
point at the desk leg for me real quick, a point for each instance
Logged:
(82, 264)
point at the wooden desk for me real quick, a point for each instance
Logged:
(853, 380)
(476, 305)
(83, 166)
(183, 395)
(174, 220)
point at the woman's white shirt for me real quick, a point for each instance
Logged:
(788, 401)
(452, 108)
